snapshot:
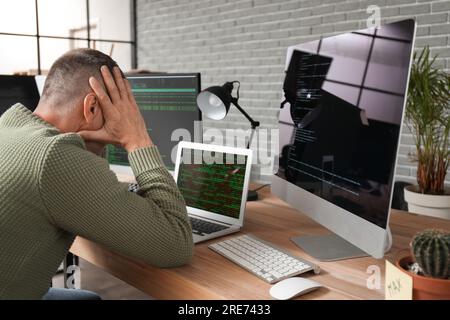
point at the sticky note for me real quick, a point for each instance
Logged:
(398, 285)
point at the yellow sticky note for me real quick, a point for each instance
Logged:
(398, 285)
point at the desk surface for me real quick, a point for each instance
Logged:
(211, 276)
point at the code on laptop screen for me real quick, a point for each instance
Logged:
(212, 181)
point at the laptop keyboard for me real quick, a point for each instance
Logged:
(202, 227)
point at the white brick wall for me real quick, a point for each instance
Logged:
(246, 40)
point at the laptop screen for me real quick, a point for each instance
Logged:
(212, 181)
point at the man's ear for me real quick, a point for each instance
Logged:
(90, 106)
(91, 110)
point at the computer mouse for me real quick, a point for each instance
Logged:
(292, 287)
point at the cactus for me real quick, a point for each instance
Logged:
(431, 249)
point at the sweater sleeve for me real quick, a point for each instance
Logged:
(84, 197)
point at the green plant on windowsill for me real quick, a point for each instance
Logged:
(428, 117)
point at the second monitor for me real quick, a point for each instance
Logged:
(168, 103)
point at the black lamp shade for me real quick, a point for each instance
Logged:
(214, 102)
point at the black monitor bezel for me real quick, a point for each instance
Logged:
(9, 78)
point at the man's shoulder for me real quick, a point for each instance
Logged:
(69, 147)
(68, 140)
(69, 150)
(67, 158)
(57, 143)
(69, 164)
(45, 138)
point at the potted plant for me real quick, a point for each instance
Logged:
(428, 117)
(429, 265)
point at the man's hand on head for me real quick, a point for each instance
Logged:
(123, 124)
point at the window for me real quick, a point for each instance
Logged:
(375, 82)
(33, 33)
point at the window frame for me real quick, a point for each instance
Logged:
(90, 41)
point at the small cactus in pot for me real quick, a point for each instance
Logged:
(431, 250)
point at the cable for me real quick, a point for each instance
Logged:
(260, 187)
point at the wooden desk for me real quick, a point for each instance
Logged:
(211, 276)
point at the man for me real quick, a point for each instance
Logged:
(54, 187)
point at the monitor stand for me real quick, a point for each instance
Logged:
(331, 247)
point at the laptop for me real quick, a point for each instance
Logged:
(214, 183)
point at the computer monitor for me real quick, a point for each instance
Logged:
(15, 89)
(168, 103)
(40, 82)
(340, 125)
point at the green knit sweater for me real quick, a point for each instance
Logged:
(52, 189)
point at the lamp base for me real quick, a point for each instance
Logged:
(252, 195)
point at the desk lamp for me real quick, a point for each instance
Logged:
(214, 102)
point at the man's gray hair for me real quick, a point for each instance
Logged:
(68, 79)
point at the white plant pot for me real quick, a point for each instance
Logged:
(427, 204)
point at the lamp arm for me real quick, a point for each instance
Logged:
(254, 123)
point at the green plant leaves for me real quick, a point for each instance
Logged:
(428, 116)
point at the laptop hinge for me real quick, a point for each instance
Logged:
(209, 219)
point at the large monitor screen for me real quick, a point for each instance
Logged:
(168, 103)
(18, 89)
(341, 118)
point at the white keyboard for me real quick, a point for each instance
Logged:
(262, 258)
